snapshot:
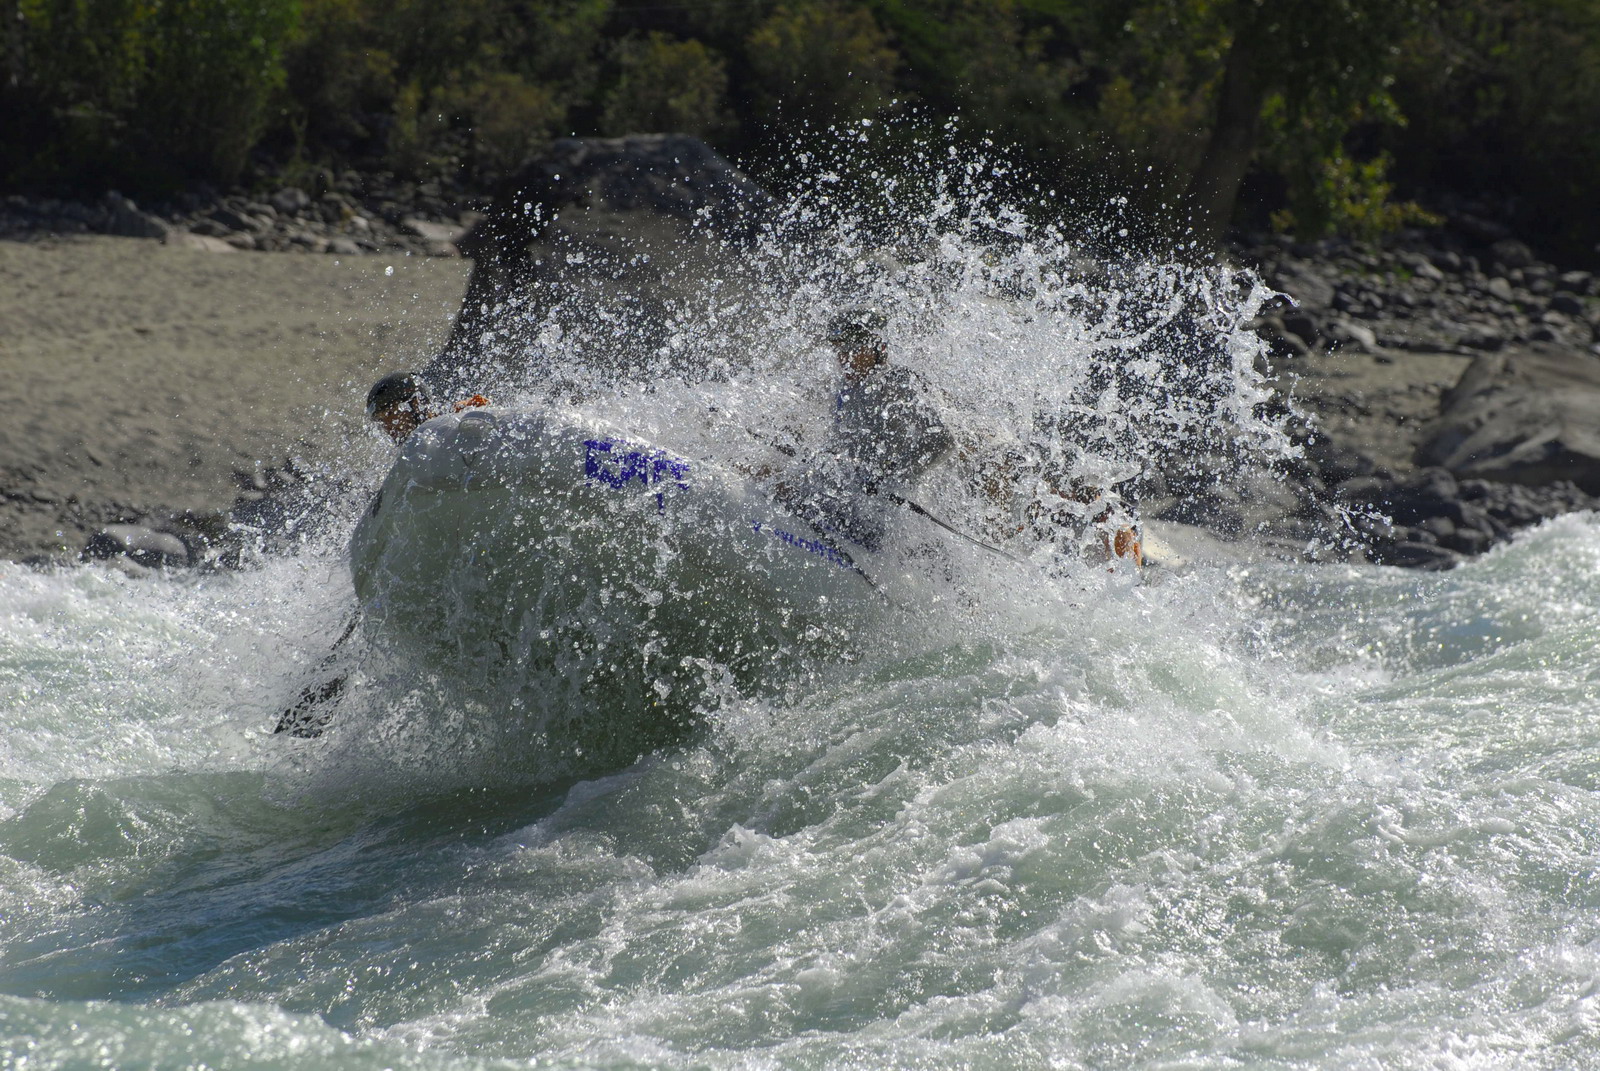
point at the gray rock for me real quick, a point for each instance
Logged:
(1468, 541)
(1414, 555)
(1355, 335)
(1425, 269)
(1338, 463)
(1281, 341)
(128, 222)
(1500, 288)
(1528, 414)
(234, 220)
(209, 227)
(1576, 282)
(1441, 528)
(596, 230)
(138, 543)
(1300, 324)
(1512, 253)
(1484, 230)
(207, 244)
(1308, 287)
(1567, 303)
(432, 232)
(344, 247)
(291, 200)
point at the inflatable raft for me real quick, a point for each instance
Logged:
(549, 553)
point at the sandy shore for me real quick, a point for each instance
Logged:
(139, 377)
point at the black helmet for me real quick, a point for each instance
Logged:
(857, 328)
(394, 389)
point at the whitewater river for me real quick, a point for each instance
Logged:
(1240, 816)
(1236, 815)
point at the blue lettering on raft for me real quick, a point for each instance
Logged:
(810, 546)
(617, 464)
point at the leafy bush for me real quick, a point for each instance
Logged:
(1305, 101)
(667, 85)
(209, 81)
(818, 64)
(482, 82)
(484, 127)
(1349, 197)
(148, 92)
(1510, 94)
(340, 86)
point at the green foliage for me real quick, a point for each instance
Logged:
(1510, 91)
(338, 83)
(1344, 196)
(74, 71)
(209, 80)
(999, 65)
(467, 88)
(818, 64)
(667, 85)
(1328, 106)
(483, 127)
(144, 91)
(1329, 191)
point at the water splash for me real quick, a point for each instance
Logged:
(1269, 815)
(1072, 375)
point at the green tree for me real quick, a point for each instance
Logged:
(141, 92)
(209, 82)
(667, 85)
(820, 64)
(482, 82)
(339, 83)
(73, 74)
(1005, 68)
(1325, 58)
(1505, 98)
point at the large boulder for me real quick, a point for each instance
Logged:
(1528, 414)
(596, 243)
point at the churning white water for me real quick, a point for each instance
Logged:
(1236, 815)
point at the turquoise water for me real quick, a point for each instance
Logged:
(1241, 816)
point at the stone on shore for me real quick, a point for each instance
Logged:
(1528, 414)
(139, 544)
(127, 221)
(595, 230)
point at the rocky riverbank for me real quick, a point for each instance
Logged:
(1447, 392)
(1444, 387)
(345, 215)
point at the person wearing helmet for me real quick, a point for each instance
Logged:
(886, 435)
(398, 404)
(884, 429)
(883, 436)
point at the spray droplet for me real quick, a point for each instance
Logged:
(389, 270)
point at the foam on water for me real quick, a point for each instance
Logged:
(1231, 818)
(1253, 815)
